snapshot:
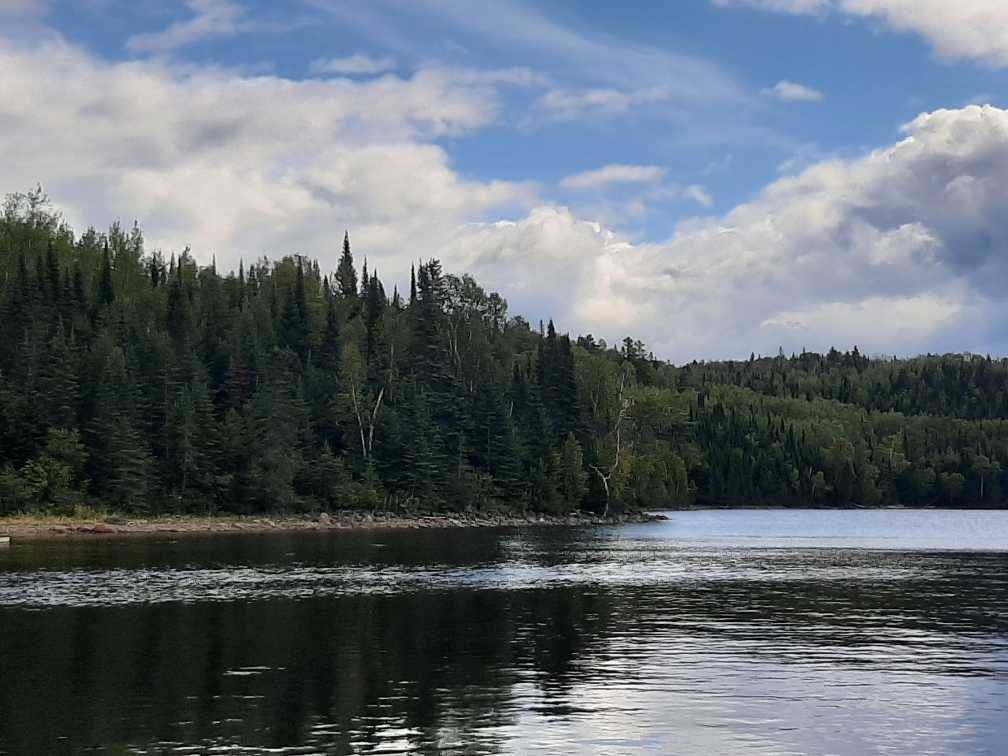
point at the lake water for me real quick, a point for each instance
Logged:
(740, 632)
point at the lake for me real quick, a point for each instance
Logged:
(741, 632)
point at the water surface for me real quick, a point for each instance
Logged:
(751, 632)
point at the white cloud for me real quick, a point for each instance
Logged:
(789, 91)
(354, 65)
(595, 67)
(244, 165)
(957, 29)
(567, 105)
(212, 18)
(548, 252)
(614, 174)
(912, 318)
(963, 29)
(698, 194)
(900, 250)
(626, 207)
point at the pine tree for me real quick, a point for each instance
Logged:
(58, 386)
(53, 288)
(346, 274)
(374, 315)
(119, 461)
(331, 346)
(106, 289)
(275, 423)
(295, 330)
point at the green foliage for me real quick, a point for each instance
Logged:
(49, 482)
(148, 385)
(569, 471)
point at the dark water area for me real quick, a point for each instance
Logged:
(743, 632)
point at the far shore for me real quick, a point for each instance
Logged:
(40, 527)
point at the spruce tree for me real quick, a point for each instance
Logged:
(346, 274)
(295, 330)
(106, 289)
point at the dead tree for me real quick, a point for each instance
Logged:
(366, 439)
(606, 474)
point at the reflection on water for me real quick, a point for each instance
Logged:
(716, 632)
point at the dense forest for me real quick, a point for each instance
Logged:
(154, 385)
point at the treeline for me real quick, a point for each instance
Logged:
(968, 386)
(794, 452)
(154, 385)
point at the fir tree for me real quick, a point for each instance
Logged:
(346, 274)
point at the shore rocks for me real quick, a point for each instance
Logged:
(323, 521)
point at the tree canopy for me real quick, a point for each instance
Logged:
(156, 385)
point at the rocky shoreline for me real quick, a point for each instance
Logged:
(43, 528)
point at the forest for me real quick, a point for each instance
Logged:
(154, 385)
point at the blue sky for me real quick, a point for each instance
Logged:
(616, 165)
(871, 79)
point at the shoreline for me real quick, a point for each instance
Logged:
(35, 528)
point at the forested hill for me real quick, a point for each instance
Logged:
(155, 385)
(961, 385)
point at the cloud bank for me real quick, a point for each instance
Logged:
(900, 250)
(244, 165)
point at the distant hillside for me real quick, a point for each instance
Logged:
(960, 385)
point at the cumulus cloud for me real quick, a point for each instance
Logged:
(357, 64)
(212, 18)
(964, 29)
(549, 251)
(900, 250)
(614, 174)
(789, 91)
(957, 29)
(243, 165)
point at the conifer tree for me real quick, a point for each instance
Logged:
(152, 387)
(106, 289)
(346, 274)
(295, 329)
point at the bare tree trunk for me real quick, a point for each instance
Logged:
(360, 423)
(367, 442)
(605, 484)
(605, 477)
(371, 423)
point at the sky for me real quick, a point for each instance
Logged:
(713, 177)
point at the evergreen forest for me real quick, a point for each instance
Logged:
(151, 385)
